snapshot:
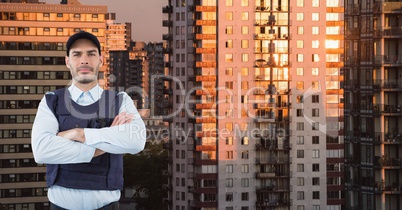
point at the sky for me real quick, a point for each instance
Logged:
(145, 16)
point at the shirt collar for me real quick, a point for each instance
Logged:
(95, 92)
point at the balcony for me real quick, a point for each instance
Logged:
(190, 22)
(278, 160)
(388, 60)
(167, 23)
(205, 36)
(209, 92)
(262, 63)
(167, 9)
(167, 51)
(205, 64)
(167, 37)
(205, 8)
(273, 203)
(205, 22)
(387, 7)
(205, 120)
(201, 148)
(209, 78)
(205, 50)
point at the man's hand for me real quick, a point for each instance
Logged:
(122, 118)
(75, 134)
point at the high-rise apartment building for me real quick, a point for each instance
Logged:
(373, 100)
(32, 50)
(257, 120)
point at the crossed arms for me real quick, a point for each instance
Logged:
(127, 134)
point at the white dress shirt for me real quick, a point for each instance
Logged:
(48, 148)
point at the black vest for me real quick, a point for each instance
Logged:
(104, 172)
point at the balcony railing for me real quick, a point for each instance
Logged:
(390, 59)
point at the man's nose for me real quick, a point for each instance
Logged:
(84, 59)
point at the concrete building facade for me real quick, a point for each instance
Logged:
(373, 99)
(257, 107)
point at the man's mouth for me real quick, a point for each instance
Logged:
(85, 70)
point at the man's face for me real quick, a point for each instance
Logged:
(84, 61)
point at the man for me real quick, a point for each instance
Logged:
(81, 132)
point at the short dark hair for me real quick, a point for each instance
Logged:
(82, 35)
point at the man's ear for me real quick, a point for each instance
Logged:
(67, 60)
(100, 60)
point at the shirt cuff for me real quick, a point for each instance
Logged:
(92, 136)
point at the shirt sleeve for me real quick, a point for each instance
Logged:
(126, 138)
(49, 148)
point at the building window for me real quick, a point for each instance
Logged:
(244, 141)
(229, 43)
(300, 181)
(229, 57)
(244, 154)
(315, 3)
(315, 30)
(299, 99)
(300, 140)
(315, 112)
(229, 196)
(299, 71)
(244, 3)
(316, 181)
(300, 3)
(300, 44)
(300, 167)
(229, 155)
(244, 196)
(229, 182)
(300, 207)
(229, 71)
(300, 153)
(299, 112)
(300, 195)
(244, 182)
(244, 71)
(229, 140)
(300, 30)
(315, 17)
(316, 207)
(244, 168)
(229, 16)
(300, 126)
(315, 139)
(244, 43)
(229, 85)
(77, 15)
(316, 153)
(316, 167)
(315, 44)
(316, 194)
(229, 30)
(244, 16)
(316, 126)
(300, 16)
(300, 85)
(229, 168)
(244, 57)
(315, 99)
(229, 3)
(300, 57)
(244, 30)
(314, 71)
(315, 58)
